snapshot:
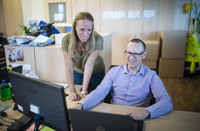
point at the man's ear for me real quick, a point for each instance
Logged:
(144, 55)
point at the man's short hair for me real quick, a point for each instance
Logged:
(139, 41)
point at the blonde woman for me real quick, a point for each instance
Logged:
(83, 64)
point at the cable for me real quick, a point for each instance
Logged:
(5, 120)
(11, 116)
(1, 124)
(35, 118)
(25, 120)
(4, 114)
(28, 125)
(3, 129)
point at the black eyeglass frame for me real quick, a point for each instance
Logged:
(133, 54)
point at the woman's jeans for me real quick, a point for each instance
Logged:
(94, 81)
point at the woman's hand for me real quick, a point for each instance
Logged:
(84, 95)
(73, 95)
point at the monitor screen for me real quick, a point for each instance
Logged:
(36, 97)
(4, 73)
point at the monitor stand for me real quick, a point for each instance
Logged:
(15, 107)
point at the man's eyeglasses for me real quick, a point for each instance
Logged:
(136, 55)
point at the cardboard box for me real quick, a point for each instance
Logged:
(152, 48)
(63, 27)
(150, 64)
(58, 38)
(173, 44)
(171, 67)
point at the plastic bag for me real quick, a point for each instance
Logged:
(41, 41)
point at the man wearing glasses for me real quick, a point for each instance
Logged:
(132, 84)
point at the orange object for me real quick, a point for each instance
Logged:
(10, 69)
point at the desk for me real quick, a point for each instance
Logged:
(173, 121)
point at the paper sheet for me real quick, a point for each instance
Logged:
(62, 84)
(119, 15)
(32, 74)
(134, 14)
(108, 15)
(149, 14)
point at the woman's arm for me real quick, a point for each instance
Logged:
(89, 66)
(70, 76)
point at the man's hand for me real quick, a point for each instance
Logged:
(73, 95)
(139, 114)
(78, 106)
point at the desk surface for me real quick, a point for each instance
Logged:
(173, 121)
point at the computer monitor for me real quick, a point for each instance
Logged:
(102, 121)
(36, 97)
(4, 73)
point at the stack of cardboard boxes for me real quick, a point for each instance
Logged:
(152, 48)
(171, 62)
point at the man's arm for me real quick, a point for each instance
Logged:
(163, 101)
(139, 114)
(161, 107)
(100, 92)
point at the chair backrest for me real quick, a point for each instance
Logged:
(108, 98)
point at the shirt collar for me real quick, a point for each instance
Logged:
(125, 70)
(124, 67)
(142, 69)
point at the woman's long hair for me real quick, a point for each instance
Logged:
(73, 42)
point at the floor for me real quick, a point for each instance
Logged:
(184, 92)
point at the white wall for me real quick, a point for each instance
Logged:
(32, 10)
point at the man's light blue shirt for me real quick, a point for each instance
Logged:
(132, 90)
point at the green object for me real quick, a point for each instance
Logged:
(46, 128)
(52, 36)
(25, 29)
(5, 91)
(24, 33)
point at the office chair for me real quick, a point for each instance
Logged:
(109, 96)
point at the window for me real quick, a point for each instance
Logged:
(57, 12)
